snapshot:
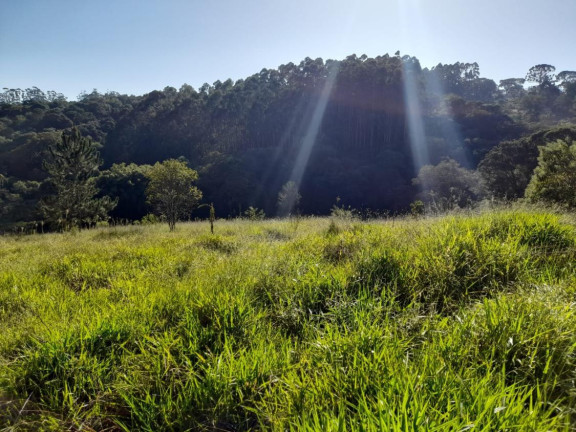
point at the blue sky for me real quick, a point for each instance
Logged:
(136, 46)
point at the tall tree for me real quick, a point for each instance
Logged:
(72, 166)
(542, 74)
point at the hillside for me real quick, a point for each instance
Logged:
(445, 323)
(359, 128)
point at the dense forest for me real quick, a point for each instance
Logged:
(374, 133)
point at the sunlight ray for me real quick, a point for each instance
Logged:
(417, 136)
(414, 22)
(313, 128)
(448, 130)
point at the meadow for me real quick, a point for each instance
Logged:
(453, 323)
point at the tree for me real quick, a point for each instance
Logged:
(171, 190)
(508, 167)
(543, 74)
(566, 77)
(448, 185)
(128, 184)
(7, 198)
(554, 179)
(288, 199)
(18, 200)
(567, 82)
(512, 87)
(254, 214)
(72, 166)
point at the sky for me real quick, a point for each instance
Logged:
(136, 46)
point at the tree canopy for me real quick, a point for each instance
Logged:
(448, 185)
(508, 167)
(72, 167)
(246, 137)
(554, 179)
(171, 191)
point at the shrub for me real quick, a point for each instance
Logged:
(254, 214)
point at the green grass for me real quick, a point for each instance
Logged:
(441, 324)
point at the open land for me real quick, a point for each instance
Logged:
(461, 322)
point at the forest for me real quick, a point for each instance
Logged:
(372, 134)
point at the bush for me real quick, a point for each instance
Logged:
(254, 214)
(555, 176)
(150, 219)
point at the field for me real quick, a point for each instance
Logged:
(463, 322)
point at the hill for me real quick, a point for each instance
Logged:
(359, 128)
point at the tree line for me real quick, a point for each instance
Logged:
(244, 138)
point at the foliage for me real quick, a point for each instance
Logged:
(462, 79)
(254, 214)
(72, 167)
(417, 208)
(127, 184)
(554, 179)
(34, 94)
(339, 211)
(448, 185)
(18, 201)
(565, 78)
(512, 87)
(170, 190)
(289, 199)
(542, 74)
(508, 167)
(150, 219)
(244, 137)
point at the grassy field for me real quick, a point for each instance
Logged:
(440, 324)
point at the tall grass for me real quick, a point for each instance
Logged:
(451, 323)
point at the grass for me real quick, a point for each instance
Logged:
(451, 323)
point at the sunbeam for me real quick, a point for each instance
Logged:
(415, 27)
(312, 130)
(448, 130)
(272, 168)
(417, 137)
(411, 19)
